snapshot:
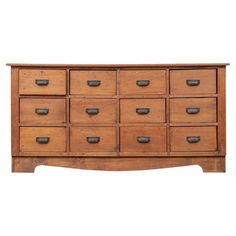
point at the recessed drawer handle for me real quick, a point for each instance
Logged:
(192, 110)
(42, 140)
(143, 83)
(143, 139)
(93, 139)
(42, 82)
(93, 83)
(92, 111)
(192, 82)
(193, 139)
(142, 111)
(42, 111)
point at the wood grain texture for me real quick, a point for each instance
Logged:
(90, 153)
(156, 78)
(56, 111)
(56, 135)
(207, 112)
(206, 95)
(113, 154)
(208, 164)
(129, 142)
(179, 65)
(129, 114)
(67, 111)
(79, 135)
(207, 78)
(79, 82)
(167, 108)
(56, 82)
(15, 111)
(222, 111)
(208, 140)
(118, 112)
(106, 111)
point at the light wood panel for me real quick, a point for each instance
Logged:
(203, 139)
(56, 139)
(95, 111)
(199, 81)
(42, 111)
(105, 139)
(42, 82)
(142, 82)
(91, 82)
(193, 110)
(155, 136)
(142, 110)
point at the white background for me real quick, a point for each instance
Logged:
(60, 201)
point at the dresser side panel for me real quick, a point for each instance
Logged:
(15, 110)
(221, 87)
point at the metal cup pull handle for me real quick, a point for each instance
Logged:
(193, 82)
(142, 83)
(42, 111)
(142, 111)
(42, 140)
(93, 83)
(42, 82)
(143, 139)
(193, 139)
(92, 111)
(93, 139)
(192, 110)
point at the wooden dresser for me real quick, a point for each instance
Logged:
(118, 117)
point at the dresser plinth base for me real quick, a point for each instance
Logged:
(208, 164)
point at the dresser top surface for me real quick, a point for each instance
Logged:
(118, 65)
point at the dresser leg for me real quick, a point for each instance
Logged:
(23, 164)
(215, 164)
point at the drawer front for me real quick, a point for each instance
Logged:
(193, 81)
(142, 110)
(42, 111)
(143, 139)
(93, 82)
(142, 82)
(93, 139)
(196, 139)
(193, 110)
(93, 110)
(42, 139)
(42, 82)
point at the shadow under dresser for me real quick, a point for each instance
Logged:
(118, 117)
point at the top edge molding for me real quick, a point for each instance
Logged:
(118, 65)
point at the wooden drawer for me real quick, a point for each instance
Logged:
(142, 82)
(42, 139)
(193, 110)
(193, 139)
(42, 82)
(93, 82)
(42, 111)
(193, 81)
(142, 110)
(93, 139)
(93, 110)
(143, 139)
